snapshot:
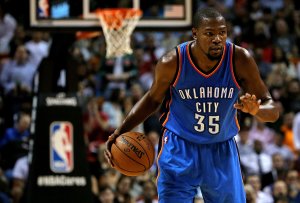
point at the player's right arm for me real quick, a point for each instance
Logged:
(164, 75)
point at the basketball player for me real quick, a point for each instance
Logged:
(198, 85)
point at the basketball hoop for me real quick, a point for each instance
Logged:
(118, 25)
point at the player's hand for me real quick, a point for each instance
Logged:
(109, 142)
(248, 104)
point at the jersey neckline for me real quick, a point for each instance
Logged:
(197, 68)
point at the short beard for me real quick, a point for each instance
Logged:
(214, 58)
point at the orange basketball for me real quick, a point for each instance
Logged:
(132, 153)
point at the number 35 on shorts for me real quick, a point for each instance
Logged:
(213, 126)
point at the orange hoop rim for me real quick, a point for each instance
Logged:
(87, 35)
(124, 11)
(113, 17)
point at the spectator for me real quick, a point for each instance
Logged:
(95, 121)
(296, 132)
(287, 129)
(118, 73)
(243, 143)
(96, 130)
(261, 197)
(94, 188)
(136, 94)
(264, 67)
(279, 148)
(280, 191)
(4, 188)
(256, 10)
(109, 177)
(57, 72)
(274, 5)
(268, 19)
(257, 162)
(280, 64)
(124, 186)
(260, 38)
(293, 71)
(20, 38)
(278, 172)
(17, 74)
(291, 100)
(151, 123)
(37, 47)
(2, 120)
(260, 131)
(106, 194)
(292, 181)
(169, 41)
(113, 107)
(146, 79)
(104, 164)
(14, 143)
(86, 84)
(276, 126)
(145, 67)
(8, 25)
(250, 194)
(20, 130)
(283, 38)
(279, 168)
(19, 179)
(149, 193)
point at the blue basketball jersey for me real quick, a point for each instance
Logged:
(199, 105)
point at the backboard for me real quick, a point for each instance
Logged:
(79, 14)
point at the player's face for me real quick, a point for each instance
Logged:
(211, 37)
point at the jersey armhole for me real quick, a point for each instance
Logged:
(178, 67)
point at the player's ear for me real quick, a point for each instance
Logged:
(194, 32)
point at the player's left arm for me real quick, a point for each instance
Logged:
(257, 100)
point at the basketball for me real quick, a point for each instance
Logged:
(132, 153)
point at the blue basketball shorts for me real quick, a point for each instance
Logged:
(184, 166)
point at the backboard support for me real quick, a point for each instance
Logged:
(80, 14)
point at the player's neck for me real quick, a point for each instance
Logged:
(201, 59)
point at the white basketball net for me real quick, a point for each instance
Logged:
(118, 25)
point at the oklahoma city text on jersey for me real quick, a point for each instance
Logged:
(206, 93)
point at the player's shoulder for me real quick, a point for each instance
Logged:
(172, 55)
(169, 57)
(244, 63)
(241, 53)
(167, 66)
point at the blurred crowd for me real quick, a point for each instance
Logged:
(108, 88)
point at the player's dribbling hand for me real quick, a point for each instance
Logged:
(109, 142)
(248, 104)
